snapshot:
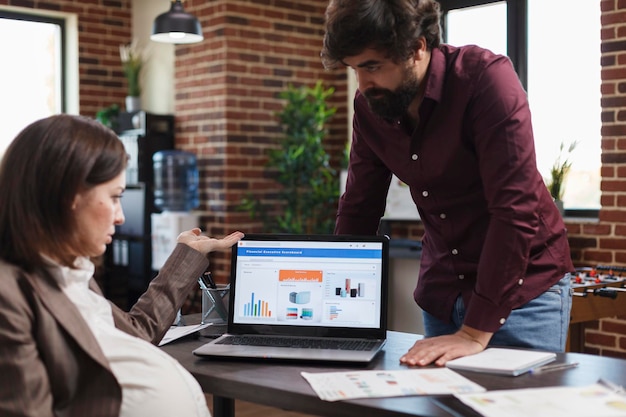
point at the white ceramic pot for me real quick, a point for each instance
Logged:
(559, 205)
(133, 103)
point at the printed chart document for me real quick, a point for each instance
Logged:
(334, 386)
(502, 361)
(593, 400)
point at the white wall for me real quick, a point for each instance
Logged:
(157, 95)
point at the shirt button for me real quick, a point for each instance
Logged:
(461, 276)
(425, 193)
(502, 320)
(414, 157)
(442, 216)
(455, 252)
(520, 282)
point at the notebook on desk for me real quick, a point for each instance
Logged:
(306, 297)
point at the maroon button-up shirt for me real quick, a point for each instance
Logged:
(492, 232)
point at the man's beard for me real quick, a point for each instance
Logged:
(393, 104)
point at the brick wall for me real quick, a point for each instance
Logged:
(226, 95)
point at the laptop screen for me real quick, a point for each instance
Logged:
(309, 281)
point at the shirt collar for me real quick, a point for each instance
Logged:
(435, 75)
(81, 273)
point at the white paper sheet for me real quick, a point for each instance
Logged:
(333, 386)
(592, 400)
(176, 332)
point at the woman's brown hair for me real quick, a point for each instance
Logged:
(43, 169)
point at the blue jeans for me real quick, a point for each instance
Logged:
(542, 323)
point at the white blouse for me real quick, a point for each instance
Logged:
(153, 383)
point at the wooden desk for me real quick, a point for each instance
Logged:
(281, 385)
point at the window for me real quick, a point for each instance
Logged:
(564, 78)
(31, 82)
(491, 36)
(558, 61)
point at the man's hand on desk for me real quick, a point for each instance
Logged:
(442, 349)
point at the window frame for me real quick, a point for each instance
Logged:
(16, 15)
(517, 51)
(517, 29)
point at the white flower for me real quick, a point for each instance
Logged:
(131, 53)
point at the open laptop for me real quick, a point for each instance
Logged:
(324, 297)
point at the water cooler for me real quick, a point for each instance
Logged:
(176, 194)
(127, 265)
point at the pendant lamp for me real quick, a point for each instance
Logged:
(176, 26)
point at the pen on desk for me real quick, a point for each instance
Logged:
(612, 386)
(550, 368)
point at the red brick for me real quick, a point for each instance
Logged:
(613, 243)
(620, 258)
(600, 339)
(596, 229)
(614, 216)
(613, 326)
(607, 5)
(613, 353)
(598, 257)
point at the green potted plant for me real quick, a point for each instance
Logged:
(108, 116)
(558, 173)
(132, 63)
(309, 186)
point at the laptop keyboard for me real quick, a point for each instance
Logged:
(300, 343)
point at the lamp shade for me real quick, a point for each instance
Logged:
(176, 26)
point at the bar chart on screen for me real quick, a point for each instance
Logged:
(256, 308)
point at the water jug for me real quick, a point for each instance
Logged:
(175, 180)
